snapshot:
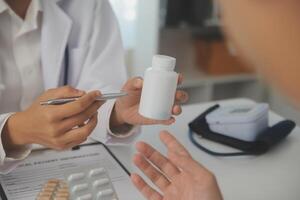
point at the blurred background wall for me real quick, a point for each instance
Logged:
(190, 30)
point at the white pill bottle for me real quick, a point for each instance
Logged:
(159, 89)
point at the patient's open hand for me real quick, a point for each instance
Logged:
(177, 176)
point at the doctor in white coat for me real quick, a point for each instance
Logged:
(46, 44)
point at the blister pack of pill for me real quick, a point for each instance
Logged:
(90, 183)
(54, 189)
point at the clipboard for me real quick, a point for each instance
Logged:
(26, 181)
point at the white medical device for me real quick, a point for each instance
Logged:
(240, 122)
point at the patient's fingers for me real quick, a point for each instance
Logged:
(188, 164)
(172, 144)
(153, 174)
(157, 159)
(148, 192)
(180, 156)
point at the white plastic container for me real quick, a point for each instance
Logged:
(240, 122)
(158, 94)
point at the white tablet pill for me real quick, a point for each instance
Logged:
(96, 172)
(101, 182)
(105, 193)
(76, 177)
(85, 197)
(80, 187)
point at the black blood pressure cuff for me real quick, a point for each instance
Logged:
(263, 143)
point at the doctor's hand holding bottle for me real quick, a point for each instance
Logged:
(126, 108)
(57, 127)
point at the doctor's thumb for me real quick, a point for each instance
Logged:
(135, 83)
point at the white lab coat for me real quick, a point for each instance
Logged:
(89, 29)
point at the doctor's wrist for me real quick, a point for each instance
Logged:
(12, 138)
(116, 119)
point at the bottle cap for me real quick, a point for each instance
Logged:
(163, 62)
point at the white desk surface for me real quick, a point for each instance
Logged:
(273, 176)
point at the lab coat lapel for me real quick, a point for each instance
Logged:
(56, 29)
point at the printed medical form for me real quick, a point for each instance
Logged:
(25, 182)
